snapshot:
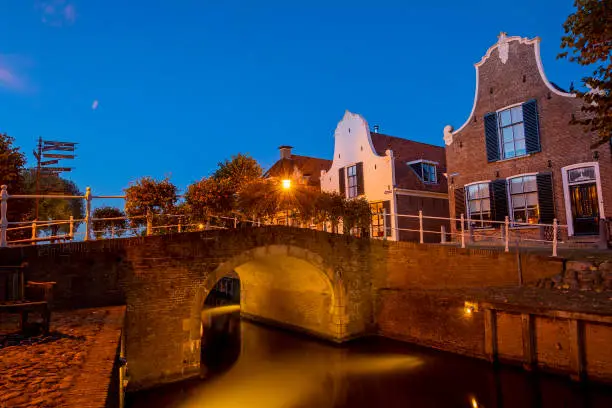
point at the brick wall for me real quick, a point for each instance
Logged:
(515, 81)
(431, 207)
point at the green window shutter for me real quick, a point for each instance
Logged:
(342, 181)
(360, 186)
(459, 205)
(491, 136)
(546, 200)
(499, 200)
(532, 126)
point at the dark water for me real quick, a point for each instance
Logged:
(274, 369)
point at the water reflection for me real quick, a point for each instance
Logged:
(277, 369)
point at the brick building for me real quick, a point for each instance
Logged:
(518, 156)
(397, 176)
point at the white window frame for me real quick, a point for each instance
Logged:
(467, 202)
(509, 195)
(424, 161)
(500, 135)
(566, 196)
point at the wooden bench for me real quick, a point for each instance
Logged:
(20, 297)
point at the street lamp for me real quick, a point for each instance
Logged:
(286, 186)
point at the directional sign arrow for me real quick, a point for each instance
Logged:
(46, 163)
(36, 154)
(58, 147)
(58, 156)
(52, 169)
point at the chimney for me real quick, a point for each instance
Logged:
(285, 152)
(375, 128)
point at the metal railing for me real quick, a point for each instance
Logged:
(462, 235)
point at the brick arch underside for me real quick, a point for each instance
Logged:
(284, 285)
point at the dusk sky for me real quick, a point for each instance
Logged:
(172, 87)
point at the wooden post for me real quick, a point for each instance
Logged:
(112, 231)
(529, 351)
(235, 223)
(555, 231)
(384, 223)
(180, 226)
(420, 226)
(462, 231)
(507, 234)
(490, 321)
(87, 213)
(576, 349)
(33, 232)
(442, 234)
(3, 220)
(71, 227)
(149, 222)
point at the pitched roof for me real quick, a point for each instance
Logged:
(308, 166)
(404, 151)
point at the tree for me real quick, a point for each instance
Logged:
(330, 208)
(260, 198)
(148, 197)
(239, 171)
(357, 214)
(104, 227)
(210, 196)
(12, 162)
(54, 209)
(588, 34)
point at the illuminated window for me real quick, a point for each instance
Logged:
(524, 199)
(479, 204)
(378, 218)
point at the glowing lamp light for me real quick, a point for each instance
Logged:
(200, 226)
(470, 308)
(474, 403)
(286, 184)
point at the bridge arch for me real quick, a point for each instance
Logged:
(312, 297)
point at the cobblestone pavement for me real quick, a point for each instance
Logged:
(41, 371)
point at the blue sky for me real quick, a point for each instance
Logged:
(181, 85)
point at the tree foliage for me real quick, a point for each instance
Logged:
(108, 228)
(239, 171)
(357, 214)
(588, 42)
(12, 162)
(52, 209)
(210, 196)
(148, 196)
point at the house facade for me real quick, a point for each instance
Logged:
(517, 156)
(397, 177)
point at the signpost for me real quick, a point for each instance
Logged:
(42, 167)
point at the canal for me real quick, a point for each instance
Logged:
(250, 365)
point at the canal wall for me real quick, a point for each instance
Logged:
(573, 343)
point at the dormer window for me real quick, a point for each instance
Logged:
(426, 170)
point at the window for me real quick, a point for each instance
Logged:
(524, 199)
(351, 175)
(512, 132)
(426, 170)
(479, 204)
(378, 218)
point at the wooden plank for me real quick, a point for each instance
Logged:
(490, 321)
(559, 314)
(577, 354)
(529, 352)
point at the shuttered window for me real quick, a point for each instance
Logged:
(459, 204)
(524, 199)
(499, 202)
(351, 178)
(479, 205)
(341, 181)
(546, 200)
(512, 132)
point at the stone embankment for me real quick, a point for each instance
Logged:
(581, 275)
(71, 367)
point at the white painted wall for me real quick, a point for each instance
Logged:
(353, 145)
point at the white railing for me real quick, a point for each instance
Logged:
(462, 236)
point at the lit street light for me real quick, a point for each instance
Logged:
(286, 187)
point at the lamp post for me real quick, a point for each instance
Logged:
(286, 187)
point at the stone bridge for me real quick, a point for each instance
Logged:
(328, 285)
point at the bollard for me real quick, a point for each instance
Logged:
(235, 222)
(71, 227)
(33, 232)
(180, 226)
(442, 234)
